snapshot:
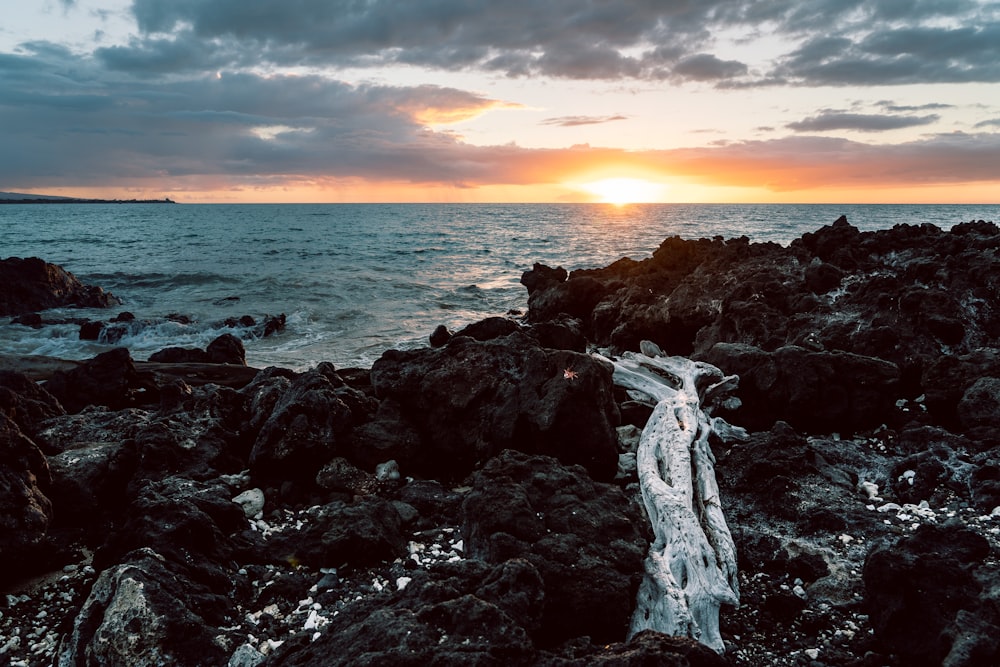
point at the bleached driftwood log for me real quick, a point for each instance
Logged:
(690, 570)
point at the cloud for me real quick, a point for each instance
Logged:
(68, 125)
(992, 122)
(831, 42)
(574, 121)
(836, 120)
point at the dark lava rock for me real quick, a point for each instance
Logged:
(469, 400)
(904, 295)
(813, 391)
(29, 285)
(109, 379)
(303, 423)
(25, 511)
(26, 402)
(932, 598)
(180, 355)
(439, 336)
(227, 349)
(183, 520)
(357, 534)
(489, 328)
(148, 611)
(585, 539)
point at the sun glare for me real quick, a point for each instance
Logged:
(621, 191)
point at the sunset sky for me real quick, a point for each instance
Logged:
(502, 101)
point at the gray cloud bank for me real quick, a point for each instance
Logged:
(831, 42)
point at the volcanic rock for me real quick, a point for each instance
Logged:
(469, 400)
(584, 538)
(927, 591)
(30, 285)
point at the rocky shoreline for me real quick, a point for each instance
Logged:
(475, 501)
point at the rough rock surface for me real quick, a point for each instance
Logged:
(469, 400)
(29, 285)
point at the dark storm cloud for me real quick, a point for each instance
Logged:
(861, 122)
(574, 121)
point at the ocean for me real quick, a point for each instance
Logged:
(356, 279)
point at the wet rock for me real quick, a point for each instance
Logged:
(30, 285)
(227, 349)
(470, 399)
(439, 336)
(585, 539)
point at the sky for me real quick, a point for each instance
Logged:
(833, 101)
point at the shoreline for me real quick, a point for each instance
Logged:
(507, 525)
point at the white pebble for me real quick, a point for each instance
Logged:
(402, 582)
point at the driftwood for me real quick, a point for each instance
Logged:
(690, 570)
(41, 368)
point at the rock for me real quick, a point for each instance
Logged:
(109, 379)
(360, 533)
(251, 502)
(812, 391)
(180, 355)
(226, 349)
(25, 510)
(440, 336)
(30, 285)
(563, 333)
(306, 428)
(444, 617)
(585, 539)
(488, 329)
(947, 379)
(923, 590)
(469, 400)
(26, 402)
(147, 612)
(980, 405)
(185, 521)
(343, 476)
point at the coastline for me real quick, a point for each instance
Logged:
(865, 381)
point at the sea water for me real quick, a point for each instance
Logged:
(355, 280)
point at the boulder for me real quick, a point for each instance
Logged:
(305, 427)
(26, 402)
(29, 285)
(109, 379)
(815, 392)
(25, 510)
(359, 534)
(227, 349)
(931, 597)
(469, 400)
(147, 611)
(585, 539)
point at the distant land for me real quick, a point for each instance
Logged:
(22, 198)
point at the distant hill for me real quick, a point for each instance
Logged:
(22, 198)
(20, 195)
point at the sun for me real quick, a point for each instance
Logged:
(621, 191)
